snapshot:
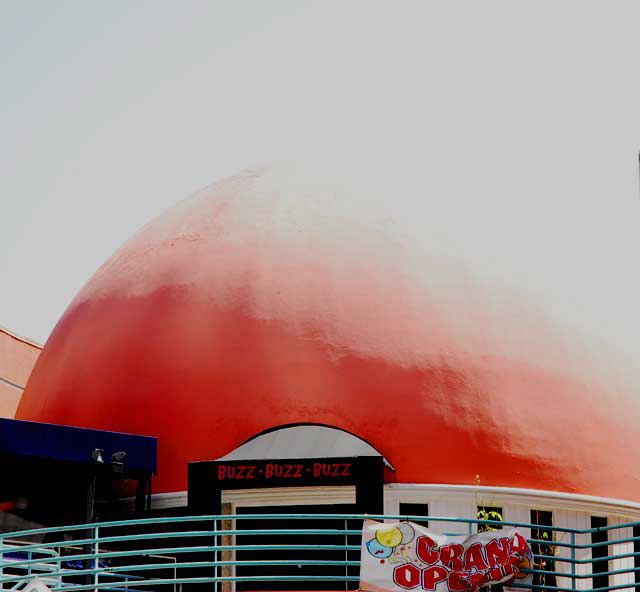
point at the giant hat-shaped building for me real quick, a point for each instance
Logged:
(278, 297)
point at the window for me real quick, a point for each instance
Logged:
(599, 565)
(489, 513)
(416, 510)
(544, 519)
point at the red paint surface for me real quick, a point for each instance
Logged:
(258, 304)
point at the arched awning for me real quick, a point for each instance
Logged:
(304, 441)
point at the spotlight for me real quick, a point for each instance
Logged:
(117, 461)
(98, 455)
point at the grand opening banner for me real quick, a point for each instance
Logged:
(406, 556)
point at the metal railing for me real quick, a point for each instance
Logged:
(279, 552)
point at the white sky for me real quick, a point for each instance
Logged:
(518, 123)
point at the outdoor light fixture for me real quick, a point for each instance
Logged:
(117, 461)
(98, 455)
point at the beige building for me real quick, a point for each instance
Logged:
(17, 358)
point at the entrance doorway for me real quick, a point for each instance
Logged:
(302, 555)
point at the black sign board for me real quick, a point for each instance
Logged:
(208, 479)
(285, 473)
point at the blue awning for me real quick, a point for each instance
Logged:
(20, 438)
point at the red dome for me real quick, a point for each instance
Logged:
(271, 298)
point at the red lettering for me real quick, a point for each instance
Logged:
(222, 472)
(240, 474)
(326, 470)
(451, 556)
(336, 471)
(317, 468)
(473, 558)
(497, 551)
(346, 471)
(458, 581)
(287, 470)
(476, 580)
(231, 472)
(427, 550)
(250, 471)
(518, 544)
(298, 472)
(278, 470)
(495, 574)
(432, 576)
(406, 576)
(268, 471)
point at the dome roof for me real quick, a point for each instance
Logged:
(277, 297)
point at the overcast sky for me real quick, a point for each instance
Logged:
(519, 120)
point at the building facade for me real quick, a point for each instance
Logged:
(276, 300)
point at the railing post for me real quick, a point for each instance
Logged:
(346, 556)
(96, 562)
(176, 587)
(215, 554)
(57, 552)
(573, 559)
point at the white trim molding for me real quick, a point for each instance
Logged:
(290, 496)
(535, 498)
(395, 493)
(175, 499)
(275, 496)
